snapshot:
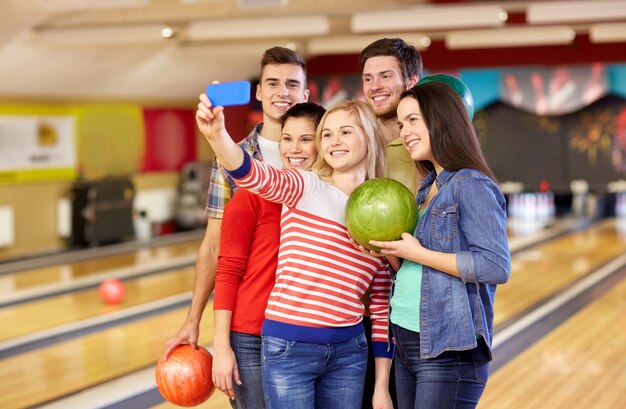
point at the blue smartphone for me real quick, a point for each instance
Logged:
(229, 93)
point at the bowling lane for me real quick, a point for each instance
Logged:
(217, 401)
(79, 305)
(48, 373)
(41, 280)
(51, 372)
(580, 364)
(145, 257)
(544, 270)
(63, 273)
(17, 320)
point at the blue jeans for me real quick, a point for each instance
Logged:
(452, 380)
(247, 349)
(303, 375)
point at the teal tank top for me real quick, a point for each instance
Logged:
(407, 292)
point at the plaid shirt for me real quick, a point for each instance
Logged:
(221, 185)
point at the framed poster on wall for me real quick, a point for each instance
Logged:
(37, 147)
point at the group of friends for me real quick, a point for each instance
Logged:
(305, 317)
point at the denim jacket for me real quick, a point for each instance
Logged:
(466, 217)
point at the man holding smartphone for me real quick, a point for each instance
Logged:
(389, 66)
(282, 85)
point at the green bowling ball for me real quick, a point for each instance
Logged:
(380, 209)
(459, 87)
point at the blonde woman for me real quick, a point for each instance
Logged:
(314, 350)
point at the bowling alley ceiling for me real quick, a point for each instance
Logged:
(168, 50)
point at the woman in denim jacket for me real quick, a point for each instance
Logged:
(442, 305)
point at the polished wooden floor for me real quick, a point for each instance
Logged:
(17, 320)
(51, 372)
(63, 368)
(542, 271)
(217, 401)
(580, 364)
(64, 273)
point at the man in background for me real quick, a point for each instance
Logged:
(389, 66)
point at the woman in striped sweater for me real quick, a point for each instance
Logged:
(314, 349)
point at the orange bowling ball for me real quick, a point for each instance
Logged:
(112, 291)
(185, 378)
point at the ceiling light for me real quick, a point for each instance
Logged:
(607, 33)
(354, 44)
(257, 4)
(73, 5)
(509, 37)
(575, 11)
(429, 18)
(101, 35)
(167, 32)
(258, 28)
(250, 4)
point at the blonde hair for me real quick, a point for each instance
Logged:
(367, 122)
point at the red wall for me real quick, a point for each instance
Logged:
(237, 121)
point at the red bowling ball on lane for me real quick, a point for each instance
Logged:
(112, 291)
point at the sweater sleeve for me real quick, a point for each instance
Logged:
(238, 227)
(284, 186)
(379, 308)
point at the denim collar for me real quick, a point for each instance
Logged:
(440, 179)
(443, 177)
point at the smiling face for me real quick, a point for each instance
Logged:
(343, 143)
(413, 130)
(297, 143)
(382, 85)
(281, 86)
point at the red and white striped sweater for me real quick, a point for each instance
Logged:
(320, 277)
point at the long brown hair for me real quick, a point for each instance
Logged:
(452, 136)
(366, 120)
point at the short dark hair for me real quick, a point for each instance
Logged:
(282, 55)
(309, 110)
(452, 136)
(408, 56)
